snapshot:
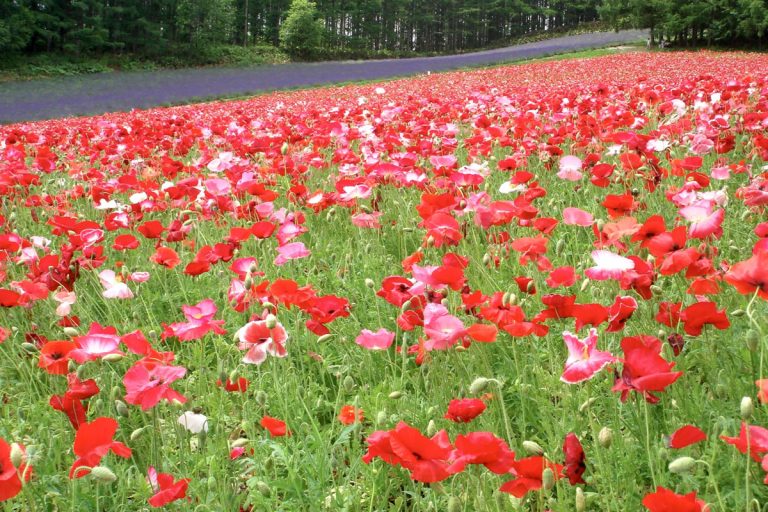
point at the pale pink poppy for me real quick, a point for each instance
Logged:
(217, 186)
(65, 300)
(367, 220)
(608, 266)
(379, 340)
(139, 277)
(584, 360)
(703, 221)
(292, 251)
(570, 168)
(577, 217)
(114, 287)
(701, 145)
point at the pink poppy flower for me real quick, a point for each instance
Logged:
(570, 168)
(260, 340)
(577, 217)
(703, 221)
(367, 220)
(584, 360)
(443, 330)
(199, 322)
(114, 287)
(379, 340)
(292, 251)
(146, 385)
(65, 300)
(97, 343)
(608, 266)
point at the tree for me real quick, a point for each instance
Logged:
(301, 33)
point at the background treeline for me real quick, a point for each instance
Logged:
(191, 30)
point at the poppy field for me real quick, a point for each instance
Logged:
(538, 287)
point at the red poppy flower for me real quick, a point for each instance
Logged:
(166, 257)
(165, 489)
(10, 483)
(528, 473)
(686, 436)
(750, 275)
(664, 500)
(482, 448)
(464, 410)
(275, 427)
(92, 442)
(696, 316)
(753, 439)
(575, 464)
(350, 414)
(427, 459)
(54, 357)
(645, 371)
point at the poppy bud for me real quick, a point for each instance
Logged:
(431, 428)
(682, 465)
(71, 366)
(211, 483)
(407, 229)
(349, 384)
(738, 313)
(583, 407)
(240, 442)
(121, 408)
(395, 395)
(137, 433)
(263, 488)
(269, 463)
(559, 247)
(479, 385)
(70, 331)
(460, 348)
(753, 339)
(584, 284)
(112, 358)
(547, 479)
(103, 474)
(270, 321)
(430, 241)
(454, 504)
(248, 283)
(324, 338)
(533, 448)
(284, 148)
(581, 500)
(17, 455)
(232, 377)
(369, 283)
(656, 289)
(605, 437)
(29, 347)
(486, 259)
(381, 417)
(261, 397)
(747, 408)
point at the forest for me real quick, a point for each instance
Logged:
(333, 28)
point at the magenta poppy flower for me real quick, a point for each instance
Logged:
(379, 340)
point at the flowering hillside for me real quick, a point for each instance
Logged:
(536, 287)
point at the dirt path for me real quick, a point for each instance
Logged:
(107, 92)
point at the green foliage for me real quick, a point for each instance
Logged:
(302, 33)
(684, 22)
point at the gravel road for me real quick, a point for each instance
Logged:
(107, 92)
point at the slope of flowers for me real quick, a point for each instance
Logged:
(536, 287)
